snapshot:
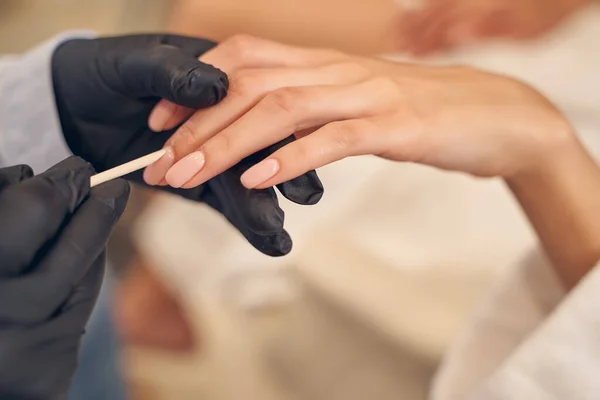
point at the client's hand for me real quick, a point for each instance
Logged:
(453, 118)
(148, 314)
(441, 24)
(105, 89)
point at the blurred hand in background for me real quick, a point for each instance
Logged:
(149, 315)
(437, 25)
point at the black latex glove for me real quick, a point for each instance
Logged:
(105, 89)
(53, 234)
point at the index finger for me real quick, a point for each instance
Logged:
(290, 109)
(244, 52)
(67, 258)
(33, 211)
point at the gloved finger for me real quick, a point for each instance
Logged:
(255, 213)
(274, 244)
(67, 259)
(195, 46)
(83, 298)
(48, 351)
(166, 72)
(15, 174)
(306, 189)
(32, 212)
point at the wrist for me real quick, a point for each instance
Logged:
(556, 150)
(561, 198)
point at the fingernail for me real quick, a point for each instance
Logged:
(161, 114)
(155, 173)
(260, 173)
(185, 169)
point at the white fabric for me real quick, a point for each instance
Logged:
(529, 342)
(517, 307)
(560, 359)
(30, 131)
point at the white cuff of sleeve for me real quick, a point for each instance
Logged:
(30, 130)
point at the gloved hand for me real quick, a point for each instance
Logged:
(105, 90)
(53, 234)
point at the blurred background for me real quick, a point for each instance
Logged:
(386, 271)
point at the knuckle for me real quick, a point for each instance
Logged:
(186, 134)
(240, 45)
(385, 86)
(220, 144)
(241, 40)
(285, 100)
(184, 139)
(246, 82)
(349, 135)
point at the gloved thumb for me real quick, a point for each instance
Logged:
(168, 72)
(15, 174)
(33, 212)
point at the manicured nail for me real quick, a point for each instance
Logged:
(260, 173)
(185, 169)
(161, 114)
(155, 173)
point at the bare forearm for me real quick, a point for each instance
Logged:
(562, 202)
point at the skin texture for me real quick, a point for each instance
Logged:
(442, 24)
(453, 118)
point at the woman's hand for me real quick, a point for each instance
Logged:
(148, 314)
(337, 105)
(452, 118)
(442, 24)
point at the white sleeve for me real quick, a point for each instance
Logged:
(518, 306)
(30, 131)
(530, 340)
(560, 359)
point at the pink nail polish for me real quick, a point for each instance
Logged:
(156, 172)
(260, 173)
(185, 169)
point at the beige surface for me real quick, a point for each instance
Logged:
(24, 23)
(364, 26)
(305, 349)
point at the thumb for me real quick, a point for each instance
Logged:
(32, 212)
(15, 174)
(168, 72)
